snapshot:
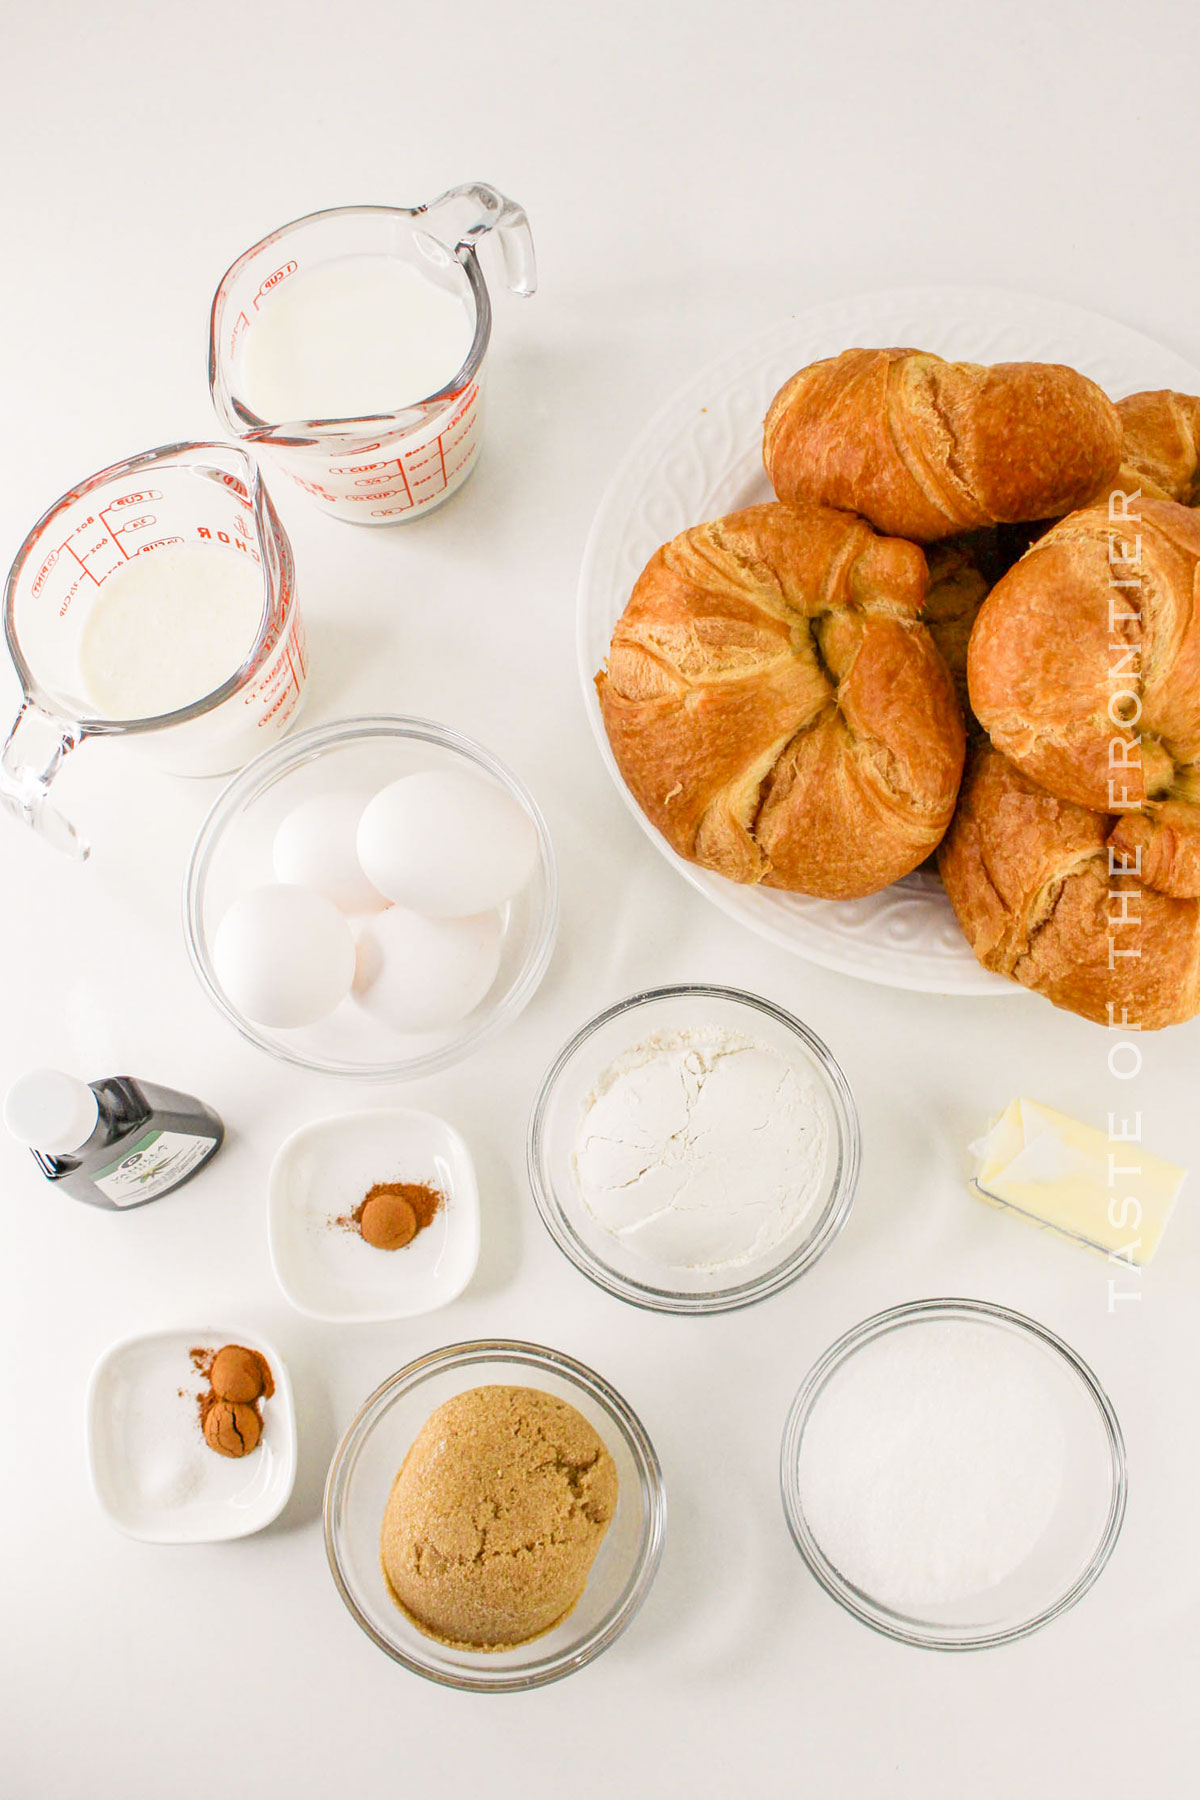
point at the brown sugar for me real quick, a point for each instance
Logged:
(391, 1213)
(496, 1516)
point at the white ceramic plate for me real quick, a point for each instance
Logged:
(701, 457)
(321, 1173)
(153, 1473)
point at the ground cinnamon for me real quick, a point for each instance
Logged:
(391, 1213)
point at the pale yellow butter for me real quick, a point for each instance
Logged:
(1102, 1188)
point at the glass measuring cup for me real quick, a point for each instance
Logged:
(179, 494)
(401, 461)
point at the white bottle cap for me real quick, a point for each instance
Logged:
(50, 1111)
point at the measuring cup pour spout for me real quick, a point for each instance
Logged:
(32, 756)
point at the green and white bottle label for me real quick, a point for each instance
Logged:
(151, 1166)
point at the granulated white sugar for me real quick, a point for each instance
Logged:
(932, 1462)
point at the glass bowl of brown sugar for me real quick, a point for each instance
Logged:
(365, 1467)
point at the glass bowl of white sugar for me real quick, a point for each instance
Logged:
(953, 1474)
(694, 1149)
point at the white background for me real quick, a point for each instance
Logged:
(691, 175)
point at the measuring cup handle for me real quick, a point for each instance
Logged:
(31, 758)
(463, 215)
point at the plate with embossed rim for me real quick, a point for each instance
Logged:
(701, 456)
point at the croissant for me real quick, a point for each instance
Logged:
(1042, 899)
(959, 579)
(925, 448)
(776, 707)
(1084, 669)
(1160, 454)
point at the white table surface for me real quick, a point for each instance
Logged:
(691, 175)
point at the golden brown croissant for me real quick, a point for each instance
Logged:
(1163, 846)
(925, 448)
(1084, 669)
(1042, 898)
(1161, 449)
(959, 580)
(776, 707)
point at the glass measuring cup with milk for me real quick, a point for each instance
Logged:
(351, 345)
(155, 602)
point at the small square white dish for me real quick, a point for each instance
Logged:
(321, 1174)
(152, 1472)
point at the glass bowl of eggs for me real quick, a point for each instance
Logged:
(372, 898)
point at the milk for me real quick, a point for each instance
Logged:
(168, 628)
(357, 336)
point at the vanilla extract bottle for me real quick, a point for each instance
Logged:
(114, 1143)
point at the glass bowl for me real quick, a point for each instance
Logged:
(365, 1465)
(233, 854)
(1078, 1534)
(558, 1109)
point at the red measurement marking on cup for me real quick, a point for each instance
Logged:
(99, 547)
(83, 566)
(287, 651)
(312, 487)
(77, 581)
(35, 586)
(290, 658)
(294, 646)
(235, 540)
(273, 280)
(469, 397)
(134, 499)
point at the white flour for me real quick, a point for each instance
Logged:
(700, 1149)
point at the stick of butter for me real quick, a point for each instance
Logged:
(1102, 1190)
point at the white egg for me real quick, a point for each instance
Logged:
(284, 956)
(315, 848)
(447, 843)
(416, 974)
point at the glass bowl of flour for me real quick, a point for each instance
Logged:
(953, 1474)
(694, 1149)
